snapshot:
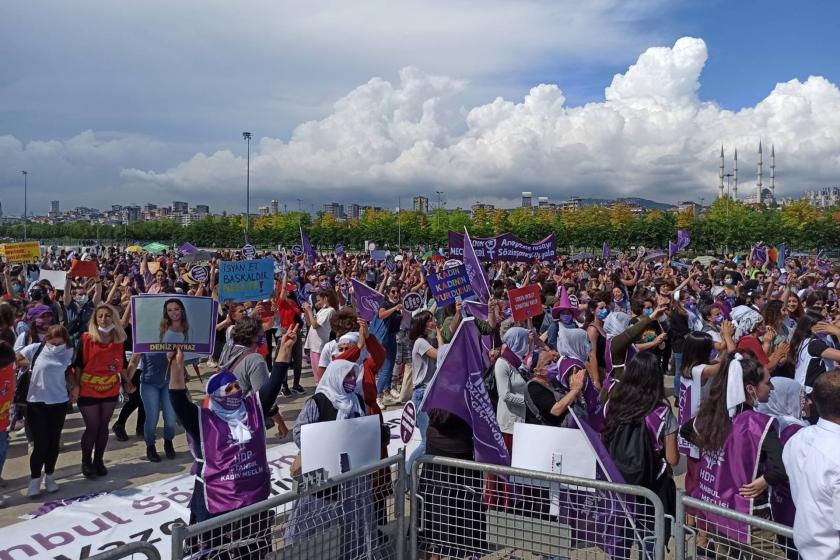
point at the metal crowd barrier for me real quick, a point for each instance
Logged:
(706, 530)
(359, 514)
(132, 551)
(462, 509)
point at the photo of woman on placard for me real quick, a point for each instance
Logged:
(174, 325)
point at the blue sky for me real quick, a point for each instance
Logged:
(348, 101)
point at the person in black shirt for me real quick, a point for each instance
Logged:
(391, 315)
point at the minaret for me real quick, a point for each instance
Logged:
(759, 174)
(721, 171)
(735, 175)
(773, 170)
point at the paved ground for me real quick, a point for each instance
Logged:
(126, 461)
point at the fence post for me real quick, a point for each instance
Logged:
(178, 531)
(415, 475)
(679, 528)
(399, 505)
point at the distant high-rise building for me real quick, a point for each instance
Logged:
(201, 209)
(354, 211)
(335, 209)
(526, 200)
(116, 207)
(543, 202)
(179, 207)
(573, 203)
(1, 209)
(481, 206)
(421, 204)
(274, 206)
(131, 214)
(149, 207)
(54, 208)
(262, 210)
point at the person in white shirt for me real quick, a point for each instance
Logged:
(812, 461)
(326, 303)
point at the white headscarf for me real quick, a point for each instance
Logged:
(616, 323)
(785, 402)
(516, 339)
(735, 395)
(573, 343)
(332, 386)
(235, 418)
(746, 319)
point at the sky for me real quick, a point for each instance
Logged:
(375, 101)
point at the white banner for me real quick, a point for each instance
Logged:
(94, 524)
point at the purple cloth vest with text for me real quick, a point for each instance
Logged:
(781, 501)
(234, 475)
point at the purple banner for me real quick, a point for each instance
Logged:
(605, 252)
(449, 284)
(458, 387)
(309, 255)
(683, 239)
(188, 249)
(367, 300)
(475, 272)
(505, 247)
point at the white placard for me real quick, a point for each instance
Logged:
(322, 444)
(539, 448)
(58, 278)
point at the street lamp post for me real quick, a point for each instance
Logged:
(247, 137)
(399, 223)
(438, 220)
(25, 208)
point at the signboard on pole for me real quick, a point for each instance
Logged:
(525, 302)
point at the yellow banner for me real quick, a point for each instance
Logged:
(28, 252)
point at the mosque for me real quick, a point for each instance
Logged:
(762, 194)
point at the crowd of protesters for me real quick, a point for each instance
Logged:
(752, 348)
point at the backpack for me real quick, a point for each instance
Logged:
(489, 378)
(632, 452)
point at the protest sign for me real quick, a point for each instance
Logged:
(449, 284)
(85, 269)
(28, 252)
(249, 251)
(551, 449)
(199, 273)
(506, 247)
(339, 249)
(378, 255)
(152, 266)
(340, 445)
(412, 301)
(408, 422)
(56, 278)
(367, 300)
(163, 323)
(297, 250)
(525, 302)
(246, 280)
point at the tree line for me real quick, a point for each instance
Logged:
(726, 225)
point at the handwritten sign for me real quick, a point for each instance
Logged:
(28, 252)
(251, 280)
(525, 302)
(450, 284)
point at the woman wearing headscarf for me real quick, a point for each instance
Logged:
(232, 427)
(574, 352)
(753, 336)
(785, 405)
(741, 456)
(620, 337)
(350, 503)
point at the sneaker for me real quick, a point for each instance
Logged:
(380, 403)
(152, 454)
(299, 390)
(34, 489)
(285, 392)
(99, 465)
(211, 364)
(87, 469)
(395, 393)
(50, 484)
(119, 431)
(169, 449)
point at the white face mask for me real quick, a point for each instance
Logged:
(106, 330)
(54, 347)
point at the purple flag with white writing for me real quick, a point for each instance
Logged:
(367, 300)
(476, 309)
(672, 249)
(683, 239)
(458, 387)
(605, 252)
(474, 270)
(759, 253)
(309, 255)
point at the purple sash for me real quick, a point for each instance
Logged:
(594, 410)
(234, 475)
(723, 473)
(781, 501)
(655, 422)
(689, 394)
(609, 367)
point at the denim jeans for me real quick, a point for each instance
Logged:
(155, 397)
(4, 446)
(677, 373)
(383, 380)
(422, 425)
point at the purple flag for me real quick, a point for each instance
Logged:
(367, 300)
(309, 255)
(758, 253)
(188, 249)
(672, 249)
(458, 387)
(605, 252)
(683, 239)
(476, 309)
(474, 270)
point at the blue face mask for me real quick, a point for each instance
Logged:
(648, 311)
(602, 314)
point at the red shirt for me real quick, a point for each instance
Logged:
(102, 366)
(289, 313)
(752, 344)
(7, 392)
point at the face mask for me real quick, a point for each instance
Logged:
(565, 318)
(718, 321)
(727, 281)
(349, 385)
(81, 300)
(105, 330)
(648, 312)
(618, 299)
(229, 402)
(54, 347)
(602, 314)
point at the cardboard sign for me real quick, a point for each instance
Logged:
(199, 273)
(164, 322)
(85, 269)
(249, 251)
(28, 252)
(378, 255)
(525, 302)
(246, 280)
(412, 301)
(450, 284)
(153, 266)
(408, 422)
(56, 278)
(341, 445)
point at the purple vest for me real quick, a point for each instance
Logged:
(609, 367)
(234, 475)
(689, 395)
(594, 410)
(781, 501)
(724, 472)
